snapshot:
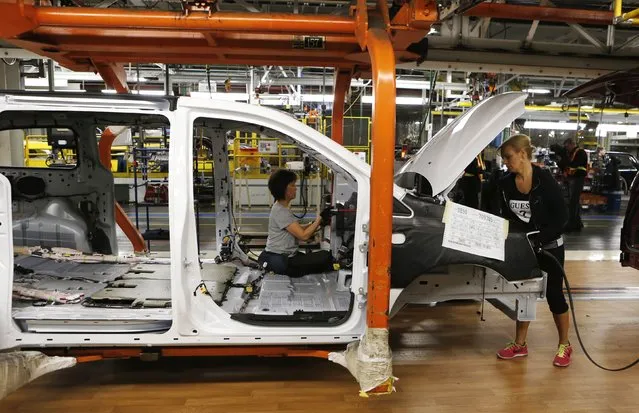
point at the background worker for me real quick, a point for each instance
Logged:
(470, 183)
(532, 201)
(281, 254)
(576, 170)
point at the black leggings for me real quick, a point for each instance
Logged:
(555, 287)
(297, 265)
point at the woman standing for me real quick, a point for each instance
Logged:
(532, 201)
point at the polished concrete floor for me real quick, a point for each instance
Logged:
(444, 357)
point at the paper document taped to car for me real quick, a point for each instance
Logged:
(473, 231)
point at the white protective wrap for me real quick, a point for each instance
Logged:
(369, 360)
(20, 367)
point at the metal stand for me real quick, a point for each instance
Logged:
(518, 300)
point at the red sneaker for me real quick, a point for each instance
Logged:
(562, 358)
(512, 350)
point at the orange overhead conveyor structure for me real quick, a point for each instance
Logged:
(102, 40)
(367, 42)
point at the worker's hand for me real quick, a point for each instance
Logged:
(325, 215)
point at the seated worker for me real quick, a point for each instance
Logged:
(284, 233)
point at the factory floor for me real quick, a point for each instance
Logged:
(444, 357)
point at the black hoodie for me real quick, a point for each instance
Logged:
(548, 212)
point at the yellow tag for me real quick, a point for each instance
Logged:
(387, 387)
(336, 266)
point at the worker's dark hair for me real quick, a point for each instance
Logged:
(278, 182)
(569, 141)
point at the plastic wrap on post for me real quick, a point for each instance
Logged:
(370, 361)
(20, 367)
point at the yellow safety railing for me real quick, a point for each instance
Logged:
(359, 149)
(624, 18)
(244, 151)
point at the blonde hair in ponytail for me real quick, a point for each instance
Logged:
(518, 142)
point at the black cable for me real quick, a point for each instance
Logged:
(574, 318)
(208, 80)
(433, 83)
(303, 196)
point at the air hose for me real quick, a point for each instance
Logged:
(574, 318)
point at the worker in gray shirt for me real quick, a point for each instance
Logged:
(281, 254)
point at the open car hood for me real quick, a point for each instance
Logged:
(442, 160)
(616, 87)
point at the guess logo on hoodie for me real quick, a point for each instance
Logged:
(521, 209)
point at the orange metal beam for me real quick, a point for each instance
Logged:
(104, 147)
(361, 23)
(115, 77)
(383, 146)
(552, 14)
(197, 21)
(63, 33)
(94, 354)
(99, 353)
(75, 48)
(340, 88)
(212, 59)
(262, 351)
(338, 45)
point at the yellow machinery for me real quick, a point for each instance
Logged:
(39, 154)
(248, 155)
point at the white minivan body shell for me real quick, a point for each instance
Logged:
(196, 320)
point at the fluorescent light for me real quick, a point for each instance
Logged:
(82, 77)
(92, 77)
(97, 103)
(538, 91)
(57, 90)
(531, 124)
(149, 92)
(137, 92)
(44, 82)
(400, 100)
(316, 98)
(631, 131)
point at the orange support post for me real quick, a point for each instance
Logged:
(380, 49)
(115, 77)
(121, 218)
(340, 87)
